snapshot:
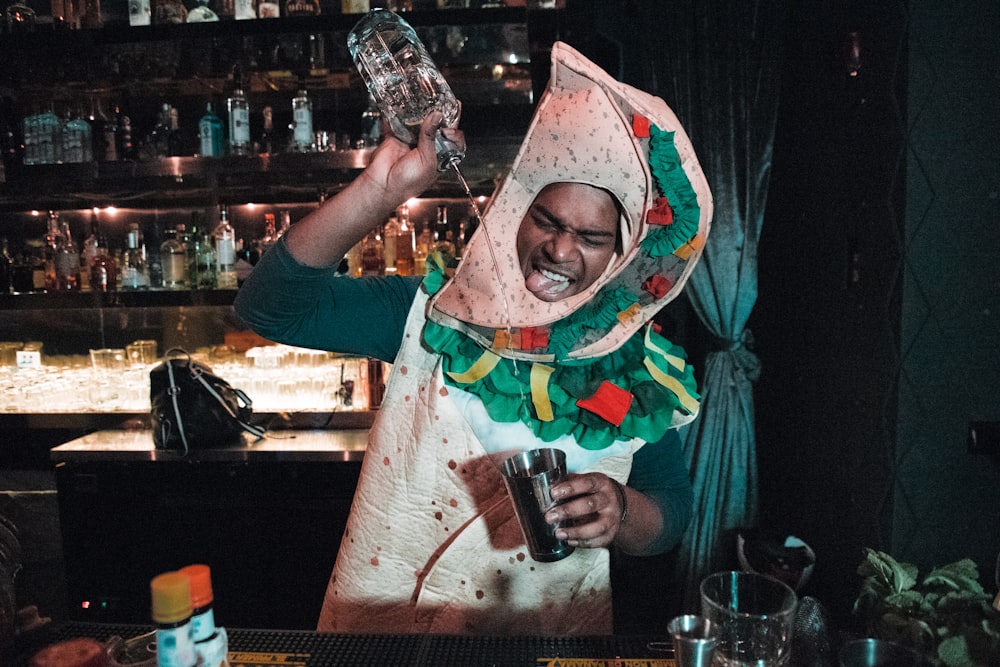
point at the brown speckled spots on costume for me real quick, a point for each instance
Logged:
(406, 398)
(520, 556)
(452, 464)
(374, 561)
(385, 460)
(443, 391)
(444, 440)
(403, 370)
(480, 594)
(438, 515)
(453, 502)
(510, 560)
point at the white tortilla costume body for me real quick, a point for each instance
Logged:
(432, 543)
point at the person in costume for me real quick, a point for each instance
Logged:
(541, 337)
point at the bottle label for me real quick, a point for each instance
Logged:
(303, 135)
(239, 127)
(175, 647)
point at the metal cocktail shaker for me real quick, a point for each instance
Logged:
(403, 80)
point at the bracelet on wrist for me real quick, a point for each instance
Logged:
(622, 500)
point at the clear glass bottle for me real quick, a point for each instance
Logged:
(442, 235)
(135, 264)
(103, 268)
(175, 140)
(266, 144)
(244, 9)
(403, 80)
(238, 110)
(404, 243)
(173, 253)
(224, 237)
(372, 257)
(49, 137)
(77, 142)
(67, 262)
(390, 236)
(210, 133)
(303, 139)
(53, 240)
(201, 13)
(371, 125)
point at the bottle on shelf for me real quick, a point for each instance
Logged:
(157, 144)
(225, 252)
(371, 125)
(443, 242)
(270, 236)
(201, 13)
(135, 263)
(123, 135)
(67, 262)
(390, 236)
(238, 119)
(421, 248)
(173, 253)
(405, 241)
(372, 257)
(102, 267)
(303, 139)
(53, 240)
(6, 267)
(286, 222)
(139, 12)
(89, 249)
(268, 9)
(201, 256)
(210, 133)
(77, 143)
(244, 9)
(266, 144)
(175, 140)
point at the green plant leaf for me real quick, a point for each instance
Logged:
(954, 652)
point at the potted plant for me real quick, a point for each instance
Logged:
(946, 614)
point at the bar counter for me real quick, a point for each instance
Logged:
(257, 648)
(279, 445)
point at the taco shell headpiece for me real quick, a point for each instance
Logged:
(587, 128)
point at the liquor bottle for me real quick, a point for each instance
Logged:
(371, 125)
(48, 137)
(103, 268)
(266, 144)
(157, 146)
(244, 9)
(404, 243)
(201, 13)
(225, 9)
(225, 252)
(402, 78)
(175, 141)
(372, 258)
(67, 262)
(421, 249)
(442, 236)
(286, 223)
(301, 7)
(210, 133)
(302, 122)
(270, 234)
(77, 143)
(123, 135)
(49, 252)
(390, 236)
(139, 12)
(135, 264)
(268, 9)
(174, 257)
(6, 267)
(238, 110)
(89, 250)
(172, 610)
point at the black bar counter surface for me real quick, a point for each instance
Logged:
(294, 648)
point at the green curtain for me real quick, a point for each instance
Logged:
(717, 63)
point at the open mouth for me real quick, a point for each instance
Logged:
(546, 284)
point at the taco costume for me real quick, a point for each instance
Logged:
(484, 367)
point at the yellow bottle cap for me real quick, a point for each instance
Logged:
(201, 584)
(171, 592)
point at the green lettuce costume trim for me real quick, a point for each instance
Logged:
(506, 393)
(672, 182)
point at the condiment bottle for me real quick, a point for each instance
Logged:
(171, 594)
(210, 643)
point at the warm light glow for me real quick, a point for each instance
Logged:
(498, 71)
(111, 210)
(85, 604)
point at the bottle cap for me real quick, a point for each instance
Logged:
(201, 584)
(171, 592)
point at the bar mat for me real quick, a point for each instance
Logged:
(300, 648)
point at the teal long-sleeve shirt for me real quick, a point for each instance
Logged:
(288, 302)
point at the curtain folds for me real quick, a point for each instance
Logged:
(717, 63)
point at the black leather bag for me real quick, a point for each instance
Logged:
(191, 408)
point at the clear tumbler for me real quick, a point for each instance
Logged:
(403, 80)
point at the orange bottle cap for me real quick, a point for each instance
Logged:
(171, 592)
(201, 584)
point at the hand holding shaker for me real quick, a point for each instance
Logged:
(403, 80)
(529, 477)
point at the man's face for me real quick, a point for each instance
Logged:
(566, 239)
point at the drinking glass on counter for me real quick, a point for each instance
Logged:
(754, 614)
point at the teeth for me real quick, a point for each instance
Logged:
(554, 276)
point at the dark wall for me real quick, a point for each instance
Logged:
(877, 315)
